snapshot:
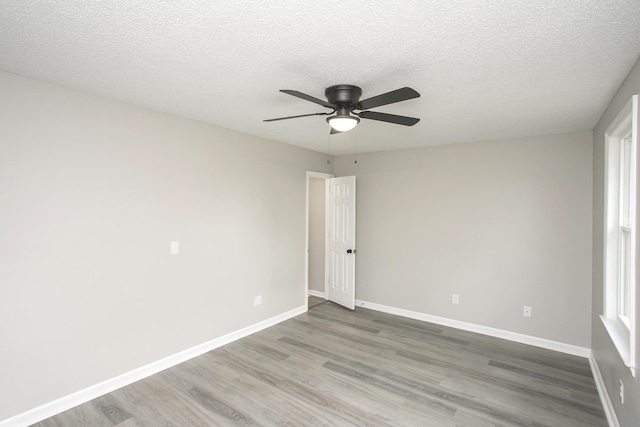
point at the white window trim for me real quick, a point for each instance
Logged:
(622, 334)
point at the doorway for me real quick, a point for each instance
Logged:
(315, 235)
(330, 253)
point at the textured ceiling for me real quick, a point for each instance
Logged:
(485, 69)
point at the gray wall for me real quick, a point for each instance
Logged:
(316, 234)
(503, 224)
(92, 192)
(606, 355)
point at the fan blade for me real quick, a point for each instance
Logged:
(308, 98)
(295, 117)
(388, 98)
(333, 131)
(389, 118)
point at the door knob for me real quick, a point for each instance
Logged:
(351, 251)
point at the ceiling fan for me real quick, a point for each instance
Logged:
(344, 100)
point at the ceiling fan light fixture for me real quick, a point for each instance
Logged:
(343, 123)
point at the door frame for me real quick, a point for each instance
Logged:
(319, 175)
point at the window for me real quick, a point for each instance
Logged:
(626, 228)
(620, 231)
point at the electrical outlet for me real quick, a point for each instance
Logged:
(526, 311)
(257, 300)
(621, 392)
(455, 299)
(175, 247)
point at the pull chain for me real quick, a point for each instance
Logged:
(356, 147)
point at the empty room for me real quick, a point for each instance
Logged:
(319, 213)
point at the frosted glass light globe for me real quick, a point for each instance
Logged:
(343, 123)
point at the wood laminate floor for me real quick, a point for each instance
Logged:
(336, 367)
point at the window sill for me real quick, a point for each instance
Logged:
(621, 339)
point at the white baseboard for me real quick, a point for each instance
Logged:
(609, 410)
(484, 330)
(313, 293)
(67, 402)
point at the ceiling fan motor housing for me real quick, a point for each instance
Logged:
(344, 96)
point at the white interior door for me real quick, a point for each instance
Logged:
(341, 240)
